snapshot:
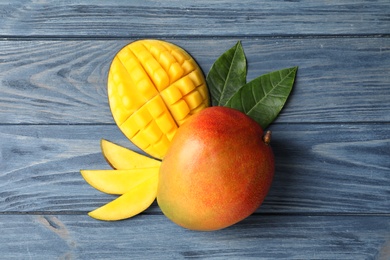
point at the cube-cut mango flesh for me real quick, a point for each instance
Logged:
(118, 181)
(129, 204)
(122, 158)
(154, 87)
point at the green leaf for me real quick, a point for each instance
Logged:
(264, 97)
(227, 75)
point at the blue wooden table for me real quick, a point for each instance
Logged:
(330, 198)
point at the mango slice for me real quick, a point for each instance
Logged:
(129, 204)
(117, 181)
(122, 158)
(153, 88)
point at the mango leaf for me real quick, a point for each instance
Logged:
(264, 97)
(227, 75)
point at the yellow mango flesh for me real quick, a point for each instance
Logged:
(129, 204)
(118, 181)
(122, 158)
(153, 88)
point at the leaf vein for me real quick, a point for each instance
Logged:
(266, 94)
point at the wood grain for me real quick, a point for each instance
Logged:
(155, 237)
(227, 18)
(330, 198)
(64, 82)
(319, 168)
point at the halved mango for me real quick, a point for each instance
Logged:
(153, 87)
(122, 158)
(118, 181)
(129, 204)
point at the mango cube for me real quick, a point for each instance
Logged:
(153, 87)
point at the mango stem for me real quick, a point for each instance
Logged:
(267, 137)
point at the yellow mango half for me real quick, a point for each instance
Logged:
(118, 181)
(129, 204)
(122, 158)
(154, 87)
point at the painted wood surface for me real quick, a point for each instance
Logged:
(320, 168)
(152, 237)
(64, 82)
(330, 198)
(226, 18)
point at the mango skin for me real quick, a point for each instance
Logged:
(217, 171)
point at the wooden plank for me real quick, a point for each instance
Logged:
(153, 18)
(320, 168)
(342, 166)
(64, 82)
(155, 237)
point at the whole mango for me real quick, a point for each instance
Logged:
(217, 171)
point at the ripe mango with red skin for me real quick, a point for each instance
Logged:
(217, 171)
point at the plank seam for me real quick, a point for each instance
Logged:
(189, 37)
(276, 123)
(302, 214)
